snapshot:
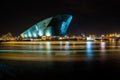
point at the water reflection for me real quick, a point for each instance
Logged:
(41, 46)
(61, 45)
(48, 45)
(89, 50)
(115, 44)
(103, 46)
(49, 50)
(103, 50)
(67, 45)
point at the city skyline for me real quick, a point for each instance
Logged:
(89, 17)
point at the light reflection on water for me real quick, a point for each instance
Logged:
(62, 50)
(103, 50)
(61, 60)
(103, 46)
(89, 50)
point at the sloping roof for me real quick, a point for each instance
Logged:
(48, 27)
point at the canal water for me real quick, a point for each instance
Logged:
(58, 60)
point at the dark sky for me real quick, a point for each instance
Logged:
(89, 16)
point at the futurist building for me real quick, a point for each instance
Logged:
(53, 26)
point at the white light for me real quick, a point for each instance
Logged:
(48, 34)
(29, 34)
(89, 38)
(34, 34)
(60, 38)
(25, 35)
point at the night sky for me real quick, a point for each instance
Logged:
(89, 16)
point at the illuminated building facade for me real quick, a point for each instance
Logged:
(53, 26)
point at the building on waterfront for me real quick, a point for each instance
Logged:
(7, 36)
(52, 26)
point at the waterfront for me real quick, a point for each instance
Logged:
(59, 60)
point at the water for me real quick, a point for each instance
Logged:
(59, 60)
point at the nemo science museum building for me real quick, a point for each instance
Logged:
(52, 26)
